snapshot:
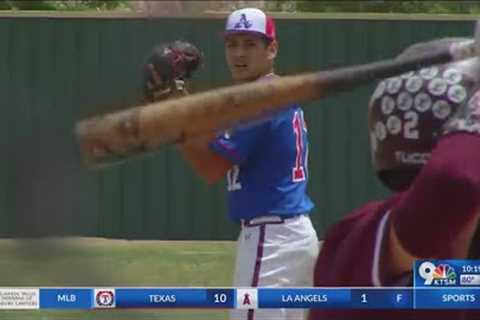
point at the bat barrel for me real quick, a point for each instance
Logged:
(108, 139)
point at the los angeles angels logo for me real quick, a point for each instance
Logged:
(246, 299)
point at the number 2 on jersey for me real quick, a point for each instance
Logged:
(298, 172)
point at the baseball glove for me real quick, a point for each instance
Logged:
(167, 68)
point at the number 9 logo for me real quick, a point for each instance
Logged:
(425, 270)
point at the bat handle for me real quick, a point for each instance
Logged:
(467, 49)
(463, 50)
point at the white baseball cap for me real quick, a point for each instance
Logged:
(250, 20)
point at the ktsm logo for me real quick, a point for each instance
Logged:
(441, 275)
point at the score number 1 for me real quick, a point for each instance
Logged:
(363, 297)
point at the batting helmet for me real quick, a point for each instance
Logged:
(406, 113)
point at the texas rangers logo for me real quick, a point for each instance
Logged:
(243, 21)
(105, 299)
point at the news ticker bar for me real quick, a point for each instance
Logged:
(240, 298)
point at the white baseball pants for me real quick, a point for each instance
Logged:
(275, 252)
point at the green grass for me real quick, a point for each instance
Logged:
(93, 262)
(115, 315)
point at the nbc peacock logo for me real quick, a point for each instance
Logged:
(440, 275)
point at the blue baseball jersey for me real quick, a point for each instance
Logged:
(270, 172)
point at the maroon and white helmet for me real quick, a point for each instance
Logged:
(406, 113)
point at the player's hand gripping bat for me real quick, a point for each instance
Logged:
(117, 136)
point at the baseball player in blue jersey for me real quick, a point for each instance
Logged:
(265, 163)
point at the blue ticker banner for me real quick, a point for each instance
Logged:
(308, 298)
(438, 284)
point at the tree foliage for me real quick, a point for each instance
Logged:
(428, 7)
(69, 5)
(433, 7)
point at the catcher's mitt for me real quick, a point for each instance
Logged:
(167, 68)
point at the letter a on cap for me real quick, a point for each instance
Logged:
(250, 20)
(243, 22)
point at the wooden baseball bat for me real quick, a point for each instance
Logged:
(110, 138)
